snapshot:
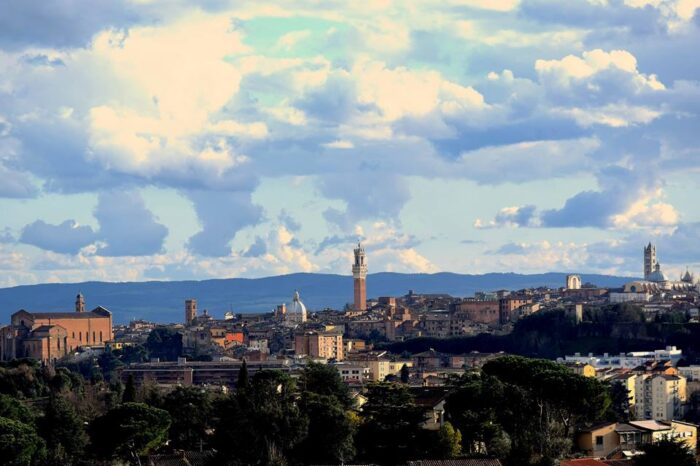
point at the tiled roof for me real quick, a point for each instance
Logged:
(595, 462)
(95, 313)
(462, 462)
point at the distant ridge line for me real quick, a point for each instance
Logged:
(163, 301)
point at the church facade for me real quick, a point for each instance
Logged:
(655, 280)
(48, 336)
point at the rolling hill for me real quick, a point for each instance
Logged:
(163, 301)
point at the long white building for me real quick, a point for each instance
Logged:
(625, 360)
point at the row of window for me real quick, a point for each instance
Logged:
(87, 337)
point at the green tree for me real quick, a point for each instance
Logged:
(128, 431)
(666, 453)
(164, 343)
(619, 402)
(129, 395)
(64, 432)
(391, 429)
(449, 441)
(108, 364)
(132, 354)
(11, 408)
(19, 444)
(324, 379)
(329, 439)
(261, 423)
(325, 400)
(243, 382)
(190, 409)
(405, 374)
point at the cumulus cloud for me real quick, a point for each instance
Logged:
(626, 198)
(257, 249)
(515, 216)
(62, 23)
(68, 237)
(289, 222)
(221, 215)
(363, 100)
(127, 227)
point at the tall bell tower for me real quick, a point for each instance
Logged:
(80, 303)
(649, 260)
(359, 275)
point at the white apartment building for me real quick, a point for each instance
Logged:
(626, 360)
(353, 373)
(691, 373)
(659, 397)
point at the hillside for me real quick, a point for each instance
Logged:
(164, 301)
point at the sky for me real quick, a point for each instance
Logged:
(171, 139)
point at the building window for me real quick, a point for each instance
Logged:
(93, 337)
(80, 336)
(100, 336)
(74, 335)
(598, 440)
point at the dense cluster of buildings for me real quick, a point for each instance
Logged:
(291, 335)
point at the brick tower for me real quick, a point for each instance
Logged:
(359, 275)
(190, 310)
(80, 303)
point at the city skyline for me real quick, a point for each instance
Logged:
(157, 140)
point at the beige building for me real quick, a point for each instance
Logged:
(380, 365)
(325, 345)
(353, 373)
(605, 439)
(659, 396)
(579, 368)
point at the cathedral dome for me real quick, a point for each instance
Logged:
(296, 311)
(657, 275)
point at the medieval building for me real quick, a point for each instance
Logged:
(48, 336)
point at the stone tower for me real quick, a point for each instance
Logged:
(80, 303)
(190, 310)
(359, 275)
(649, 260)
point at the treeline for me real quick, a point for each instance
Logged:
(550, 334)
(523, 411)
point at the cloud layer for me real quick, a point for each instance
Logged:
(249, 139)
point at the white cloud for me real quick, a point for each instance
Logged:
(400, 92)
(289, 40)
(573, 68)
(339, 144)
(613, 115)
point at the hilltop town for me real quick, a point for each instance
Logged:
(431, 345)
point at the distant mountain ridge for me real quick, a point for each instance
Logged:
(163, 301)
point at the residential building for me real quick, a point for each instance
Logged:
(659, 396)
(606, 439)
(626, 360)
(473, 311)
(579, 368)
(353, 373)
(325, 345)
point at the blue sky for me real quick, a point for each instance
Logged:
(168, 139)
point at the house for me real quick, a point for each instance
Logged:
(625, 439)
(432, 401)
